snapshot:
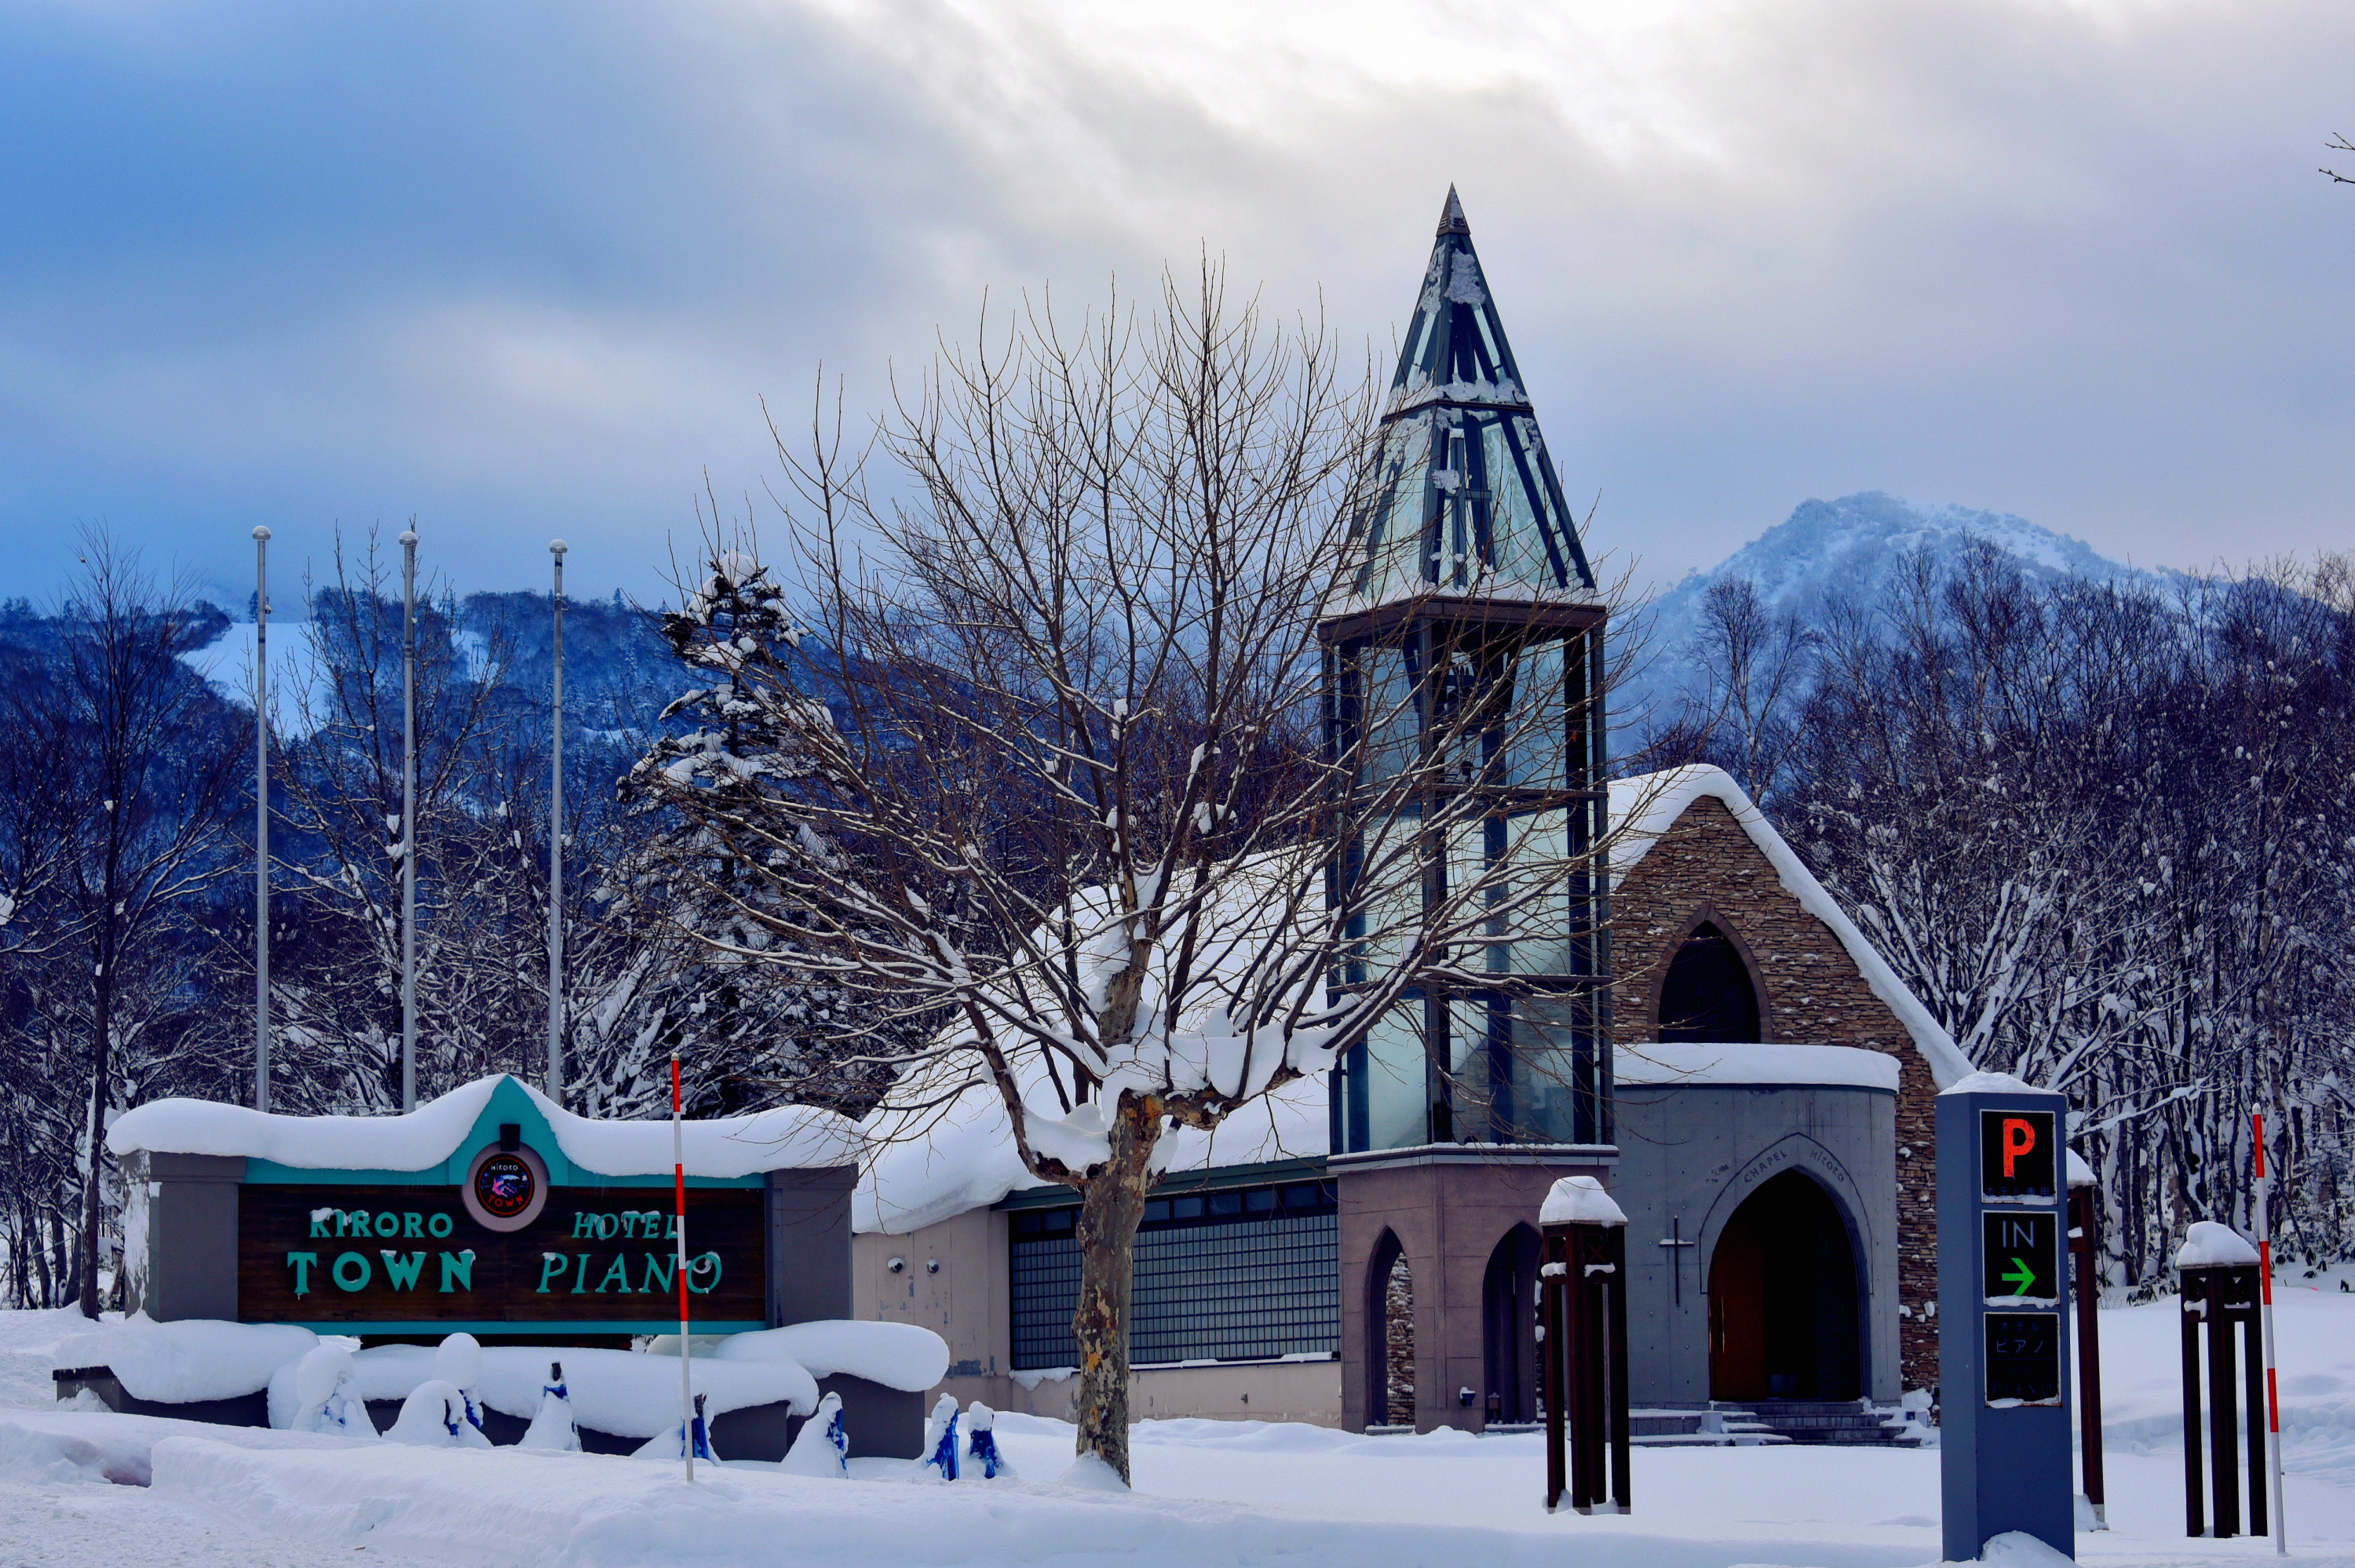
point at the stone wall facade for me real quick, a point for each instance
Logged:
(1705, 868)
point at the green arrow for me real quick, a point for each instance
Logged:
(2020, 1274)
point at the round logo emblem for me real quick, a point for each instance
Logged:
(506, 1188)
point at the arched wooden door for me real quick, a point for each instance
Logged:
(1785, 1298)
(1737, 1310)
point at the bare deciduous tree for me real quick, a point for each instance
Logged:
(1057, 775)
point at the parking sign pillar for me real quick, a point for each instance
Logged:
(2003, 1291)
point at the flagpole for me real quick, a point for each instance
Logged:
(678, 1170)
(556, 850)
(262, 819)
(408, 819)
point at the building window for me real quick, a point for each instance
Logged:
(1240, 1274)
(1707, 996)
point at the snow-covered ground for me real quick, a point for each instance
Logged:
(1208, 1492)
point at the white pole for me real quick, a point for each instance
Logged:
(262, 819)
(556, 852)
(408, 819)
(678, 1167)
(2273, 1382)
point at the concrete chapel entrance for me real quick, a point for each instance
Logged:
(1784, 1299)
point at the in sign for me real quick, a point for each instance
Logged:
(2020, 1255)
(2018, 1155)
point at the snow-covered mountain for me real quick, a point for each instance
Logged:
(1851, 546)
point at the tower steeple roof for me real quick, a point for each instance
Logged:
(1465, 502)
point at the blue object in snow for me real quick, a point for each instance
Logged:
(702, 1439)
(840, 1439)
(984, 1450)
(943, 1455)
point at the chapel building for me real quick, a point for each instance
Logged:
(1694, 1022)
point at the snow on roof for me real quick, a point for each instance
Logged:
(790, 1137)
(1655, 1063)
(1580, 1199)
(2208, 1242)
(1645, 807)
(965, 1158)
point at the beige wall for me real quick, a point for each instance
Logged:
(965, 1301)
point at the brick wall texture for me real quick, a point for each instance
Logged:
(1704, 867)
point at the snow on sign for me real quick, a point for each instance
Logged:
(2017, 1160)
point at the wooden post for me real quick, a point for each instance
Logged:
(2193, 1299)
(1584, 1285)
(1553, 1356)
(2221, 1297)
(2085, 1246)
(2223, 1425)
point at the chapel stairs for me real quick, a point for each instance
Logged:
(1831, 1423)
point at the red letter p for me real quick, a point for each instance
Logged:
(2019, 1138)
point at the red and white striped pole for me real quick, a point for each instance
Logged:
(679, 1172)
(2273, 1384)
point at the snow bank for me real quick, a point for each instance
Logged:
(897, 1355)
(1645, 807)
(624, 1393)
(786, 1138)
(2207, 1243)
(1661, 1063)
(195, 1358)
(1580, 1200)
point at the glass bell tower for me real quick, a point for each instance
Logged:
(1464, 673)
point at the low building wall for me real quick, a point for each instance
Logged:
(955, 1279)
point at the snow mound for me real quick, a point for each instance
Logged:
(1580, 1200)
(790, 1137)
(897, 1355)
(625, 1392)
(2207, 1243)
(195, 1358)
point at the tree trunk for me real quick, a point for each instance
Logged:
(1109, 1211)
(103, 1027)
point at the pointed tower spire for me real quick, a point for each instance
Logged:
(1450, 218)
(1467, 500)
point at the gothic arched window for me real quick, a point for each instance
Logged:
(1706, 995)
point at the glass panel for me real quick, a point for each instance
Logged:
(1396, 1104)
(1393, 567)
(1387, 711)
(1552, 1090)
(1536, 733)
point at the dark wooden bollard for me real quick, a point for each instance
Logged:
(2085, 1247)
(2219, 1292)
(1584, 1287)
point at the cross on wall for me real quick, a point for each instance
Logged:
(1675, 1244)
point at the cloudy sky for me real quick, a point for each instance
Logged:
(522, 270)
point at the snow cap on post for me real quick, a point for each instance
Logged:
(1990, 1084)
(2208, 1244)
(1580, 1200)
(2080, 1174)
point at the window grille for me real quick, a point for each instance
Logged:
(1233, 1275)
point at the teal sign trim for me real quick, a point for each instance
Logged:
(508, 1103)
(512, 1329)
